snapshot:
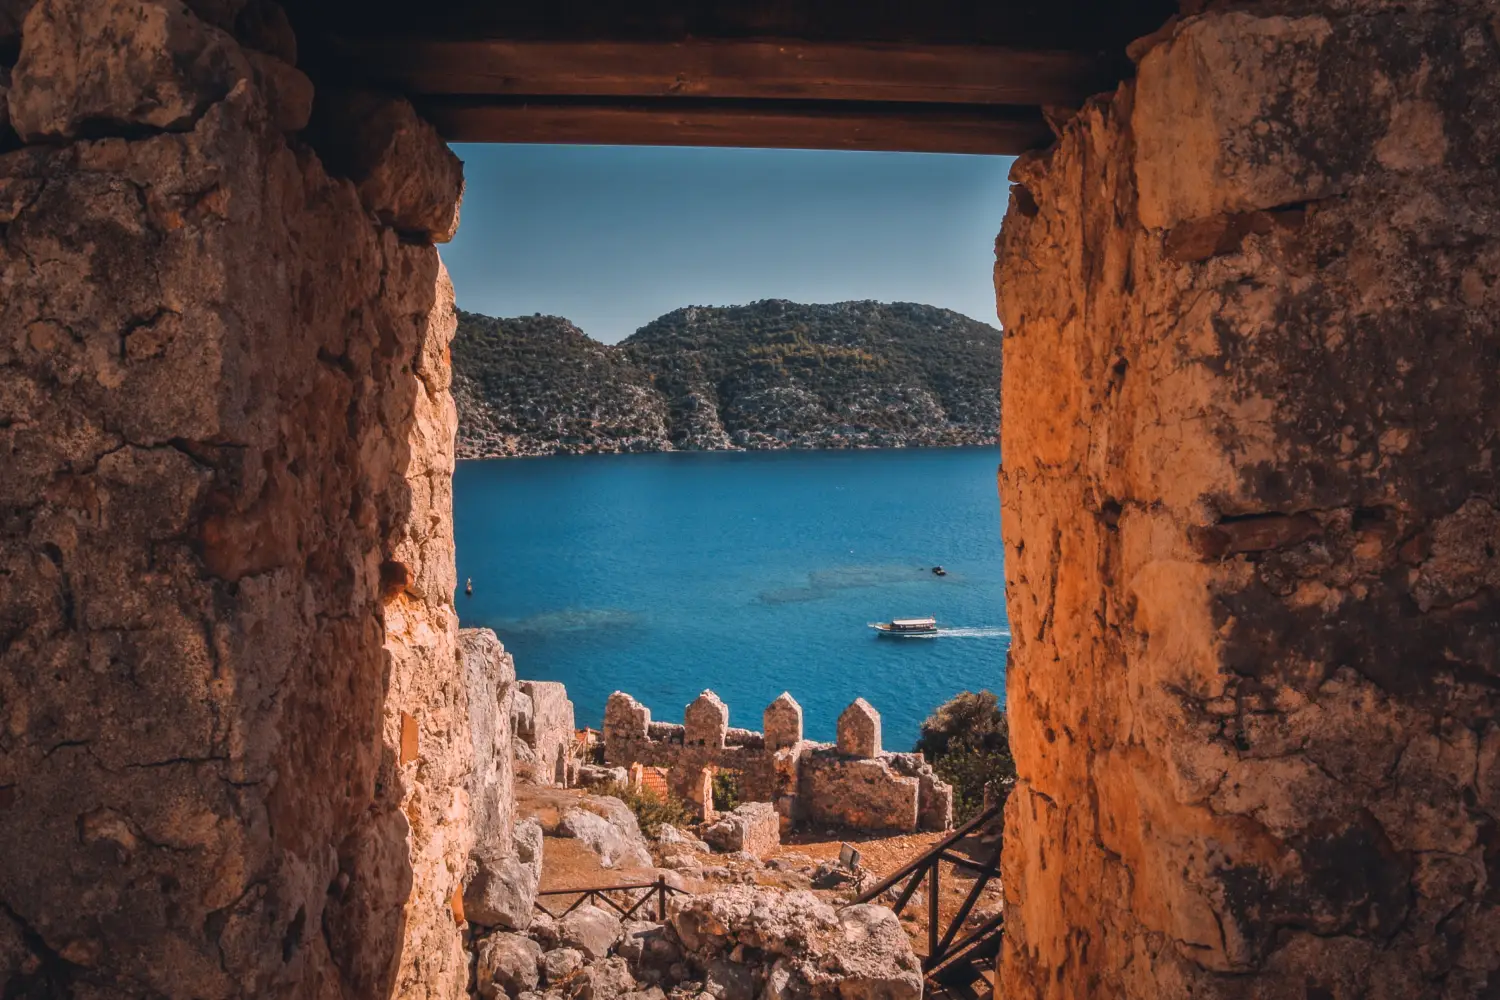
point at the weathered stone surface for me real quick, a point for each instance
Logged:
(490, 674)
(503, 886)
(6, 135)
(752, 827)
(559, 964)
(508, 964)
(802, 947)
(706, 721)
(647, 945)
(543, 929)
(616, 844)
(12, 16)
(225, 491)
(669, 835)
(859, 730)
(782, 722)
(591, 930)
(859, 794)
(549, 730)
(287, 91)
(604, 980)
(404, 172)
(103, 67)
(625, 718)
(1246, 718)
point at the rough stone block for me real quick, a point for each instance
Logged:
(503, 886)
(782, 722)
(119, 66)
(508, 964)
(859, 730)
(404, 172)
(706, 721)
(753, 827)
(591, 930)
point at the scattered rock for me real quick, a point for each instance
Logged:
(602, 981)
(666, 833)
(502, 891)
(543, 929)
(507, 965)
(682, 863)
(754, 828)
(647, 945)
(726, 980)
(561, 963)
(591, 930)
(805, 947)
(606, 839)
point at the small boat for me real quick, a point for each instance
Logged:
(939, 571)
(469, 587)
(906, 626)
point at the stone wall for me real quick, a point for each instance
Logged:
(548, 730)
(235, 757)
(1252, 516)
(806, 781)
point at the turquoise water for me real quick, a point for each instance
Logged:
(748, 573)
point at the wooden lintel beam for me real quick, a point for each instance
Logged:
(729, 68)
(913, 128)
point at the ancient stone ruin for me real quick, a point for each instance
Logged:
(852, 784)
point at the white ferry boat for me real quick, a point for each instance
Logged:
(906, 626)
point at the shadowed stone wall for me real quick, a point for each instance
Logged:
(1252, 517)
(234, 747)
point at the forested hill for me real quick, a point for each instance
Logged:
(772, 374)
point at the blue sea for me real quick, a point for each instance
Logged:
(746, 572)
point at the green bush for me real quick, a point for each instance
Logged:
(967, 741)
(726, 790)
(651, 810)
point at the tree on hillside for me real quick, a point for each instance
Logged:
(967, 741)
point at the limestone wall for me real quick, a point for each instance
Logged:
(1252, 517)
(234, 750)
(806, 781)
(548, 730)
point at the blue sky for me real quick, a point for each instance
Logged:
(613, 236)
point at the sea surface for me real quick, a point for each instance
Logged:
(749, 573)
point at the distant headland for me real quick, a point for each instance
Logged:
(769, 375)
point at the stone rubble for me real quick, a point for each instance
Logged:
(753, 828)
(737, 943)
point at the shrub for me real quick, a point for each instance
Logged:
(967, 741)
(651, 810)
(726, 790)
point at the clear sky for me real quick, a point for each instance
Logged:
(611, 237)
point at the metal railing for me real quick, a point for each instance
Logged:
(941, 948)
(658, 890)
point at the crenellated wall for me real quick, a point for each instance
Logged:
(852, 784)
(235, 755)
(1252, 516)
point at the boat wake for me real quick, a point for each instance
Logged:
(984, 632)
(988, 632)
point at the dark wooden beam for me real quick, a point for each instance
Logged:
(910, 127)
(723, 68)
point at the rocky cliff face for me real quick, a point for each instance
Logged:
(769, 375)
